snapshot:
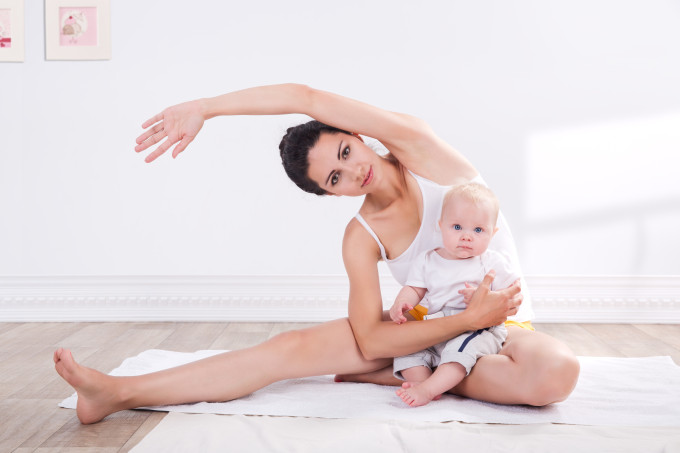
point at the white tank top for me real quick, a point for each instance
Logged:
(429, 237)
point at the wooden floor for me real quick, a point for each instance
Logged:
(30, 388)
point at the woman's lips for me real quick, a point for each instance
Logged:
(368, 178)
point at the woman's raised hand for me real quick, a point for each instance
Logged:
(490, 308)
(178, 124)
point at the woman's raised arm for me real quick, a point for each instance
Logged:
(179, 124)
(380, 339)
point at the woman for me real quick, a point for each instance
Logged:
(532, 368)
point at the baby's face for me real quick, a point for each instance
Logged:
(467, 228)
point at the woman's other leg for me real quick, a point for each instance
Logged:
(323, 349)
(532, 368)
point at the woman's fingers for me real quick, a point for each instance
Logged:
(513, 291)
(485, 286)
(158, 151)
(145, 136)
(517, 300)
(151, 140)
(152, 120)
(514, 297)
(181, 146)
(177, 125)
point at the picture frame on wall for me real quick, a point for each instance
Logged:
(11, 30)
(77, 29)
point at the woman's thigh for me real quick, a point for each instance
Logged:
(328, 348)
(531, 368)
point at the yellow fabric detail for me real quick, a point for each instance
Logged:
(418, 312)
(524, 325)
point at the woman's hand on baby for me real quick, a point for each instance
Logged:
(397, 312)
(470, 289)
(178, 124)
(490, 308)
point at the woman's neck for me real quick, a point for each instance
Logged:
(392, 186)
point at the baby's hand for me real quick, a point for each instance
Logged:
(397, 312)
(467, 292)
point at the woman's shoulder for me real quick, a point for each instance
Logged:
(358, 245)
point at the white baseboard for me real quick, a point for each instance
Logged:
(615, 299)
(606, 299)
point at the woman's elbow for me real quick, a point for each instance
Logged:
(367, 346)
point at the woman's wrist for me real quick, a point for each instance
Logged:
(467, 321)
(208, 107)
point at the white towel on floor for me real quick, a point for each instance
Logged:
(210, 433)
(610, 391)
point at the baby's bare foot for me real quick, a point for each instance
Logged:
(97, 392)
(416, 394)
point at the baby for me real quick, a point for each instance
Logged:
(467, 223)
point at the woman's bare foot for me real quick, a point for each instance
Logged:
(97, 392)
(416, 394)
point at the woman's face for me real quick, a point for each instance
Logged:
(342, 164)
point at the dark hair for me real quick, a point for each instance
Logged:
(294, 149)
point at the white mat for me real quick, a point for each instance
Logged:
(611, 391)
(209, 433)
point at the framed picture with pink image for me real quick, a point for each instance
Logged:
(11, 30)
(77, 29)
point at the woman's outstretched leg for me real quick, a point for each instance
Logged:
(324, 349)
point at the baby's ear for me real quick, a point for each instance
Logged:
(438, 227)
(495, 230)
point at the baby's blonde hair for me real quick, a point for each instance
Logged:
(476, 193)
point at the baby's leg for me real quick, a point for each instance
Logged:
(445, 377)
(413, 376)
(416, 374)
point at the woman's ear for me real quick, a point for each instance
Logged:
(358, 136)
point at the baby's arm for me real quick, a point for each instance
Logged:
(408, 297)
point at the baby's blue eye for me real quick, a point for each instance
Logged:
(478, 230)
(457, 227)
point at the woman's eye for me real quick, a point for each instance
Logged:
(335, 178)
(457, 227)
(345, 152)
(478, 230)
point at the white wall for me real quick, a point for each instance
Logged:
(570, 109)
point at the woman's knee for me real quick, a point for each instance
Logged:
(290, 341)
(554, 378)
